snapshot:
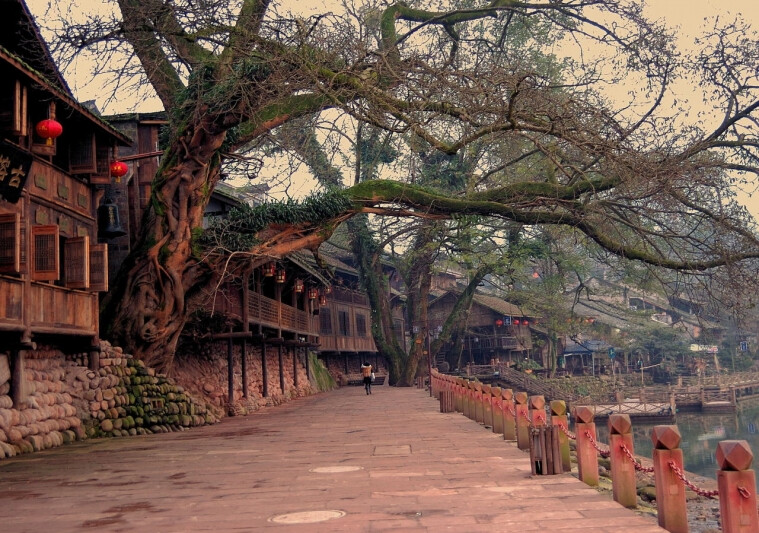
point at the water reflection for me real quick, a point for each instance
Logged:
(700, 435)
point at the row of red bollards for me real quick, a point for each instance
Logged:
(522, 418)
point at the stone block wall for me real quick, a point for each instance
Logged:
(205, 376)
(63, 401)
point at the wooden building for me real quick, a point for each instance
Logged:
(55, 158)
(495, 329)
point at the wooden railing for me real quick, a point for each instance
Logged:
(268, 312)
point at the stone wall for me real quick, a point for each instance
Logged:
(204, 374)
(63, 401)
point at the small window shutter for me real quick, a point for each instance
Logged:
(76, 268)
(82, 156)
(99, 267)
(45, 255)
(10, 243)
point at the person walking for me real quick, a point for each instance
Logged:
(366, 371)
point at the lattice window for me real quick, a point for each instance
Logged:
(344, 323)
(325, 321)
(82, 157)
(99, 267)
(10, 243)
(45, 253)
(76, 263)
(360, 325)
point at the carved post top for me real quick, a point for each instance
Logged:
(486, 389)
(734, 455)
(478, 385)
(508, 394)
(521, 398)
(665, 437)
(558, 407)
(620, 425)
(584, 414)
(537, 402)
(496, 391)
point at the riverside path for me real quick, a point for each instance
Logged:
(338, 461)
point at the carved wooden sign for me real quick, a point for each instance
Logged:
(14, 168)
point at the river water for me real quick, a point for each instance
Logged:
(700, 435)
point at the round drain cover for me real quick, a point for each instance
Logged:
(306, 517)
(335, 469)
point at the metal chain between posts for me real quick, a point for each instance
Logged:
(566, 432)
(701, 492)
(638, 466)
(601, 452)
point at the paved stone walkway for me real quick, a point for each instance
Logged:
(386, 462)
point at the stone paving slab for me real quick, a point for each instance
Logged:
(336, 462)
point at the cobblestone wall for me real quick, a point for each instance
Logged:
(63, 401)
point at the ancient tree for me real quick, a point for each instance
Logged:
(632, 179)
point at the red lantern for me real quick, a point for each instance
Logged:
(281, 275)
(298, 285)
(268, 269)
(322, 300)
(49, 129)
(498, 323)
(328, 289)
(119, 169)
(516, 322)
(525, 322)
(313, 293)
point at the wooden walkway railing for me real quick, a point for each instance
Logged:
(518, 416)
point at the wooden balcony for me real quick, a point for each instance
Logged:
(50, 309)
(270, 313)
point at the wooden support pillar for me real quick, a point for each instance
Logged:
(736, 482)
(308, 363)
(622, 466)
(281, 370)
(559, 418)
(244, 367)
(522, 420)
(587, 455)
(295, 352)
(509, 415)
(264, 371)
(93, 358)
(670, 490)
(18, 379)
(230, 373)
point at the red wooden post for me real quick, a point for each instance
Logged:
(487, 404)
(509, 418)
(622, 466)
(468, 394)
(737, 487)
(523, 421)
(537, 405)
(670, 490)
(559, 418)
(497, 410)
(587, 456)
(479, 411)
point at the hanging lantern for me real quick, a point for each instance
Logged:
(49, 129)
(268, 269)
(498, 323)
(525, 322)
(328, 289)
(281, 275)
(298, 285)
(109, 223)
(516, 322)
(119, 169)
(313, 293)
(322, 300)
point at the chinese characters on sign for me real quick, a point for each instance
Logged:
(14, 168)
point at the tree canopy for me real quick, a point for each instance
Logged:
(634, 179)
